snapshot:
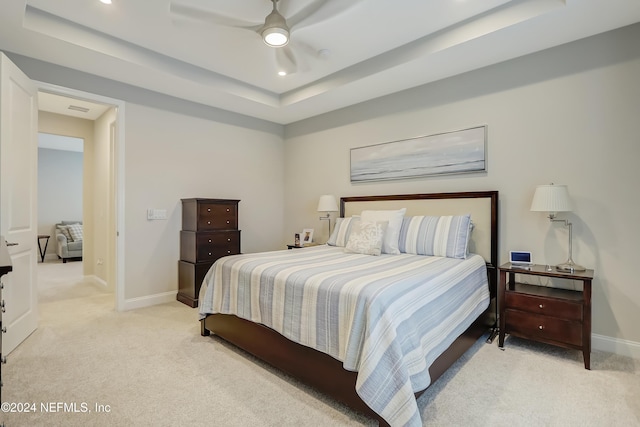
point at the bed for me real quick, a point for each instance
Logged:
(359, 330)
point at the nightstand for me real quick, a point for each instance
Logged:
(555, 316)
(299, 247)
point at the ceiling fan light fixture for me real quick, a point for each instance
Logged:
(275, 31)
(275, 37)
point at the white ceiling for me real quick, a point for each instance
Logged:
(369, 48)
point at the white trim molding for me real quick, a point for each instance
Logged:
(148, 301)
(97, 280)
(616, 346)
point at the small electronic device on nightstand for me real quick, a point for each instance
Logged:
(520, 259)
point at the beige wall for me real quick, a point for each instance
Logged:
(101, 201)
(568, 115)
(168, 157)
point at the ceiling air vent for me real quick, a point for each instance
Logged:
(78, 108)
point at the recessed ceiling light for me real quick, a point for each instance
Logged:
(105, 1)
(282, 73)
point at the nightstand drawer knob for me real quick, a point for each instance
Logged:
(228, 221)
(541, 327)
(541, 306)
(208, 222)
(228, 252)
(228, 240)
(4, 329)
(209, 240)
(208, 209)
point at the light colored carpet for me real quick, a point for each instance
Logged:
(152, 367)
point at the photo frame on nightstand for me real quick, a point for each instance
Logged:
(306, 237)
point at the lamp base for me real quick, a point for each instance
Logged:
(569, 266)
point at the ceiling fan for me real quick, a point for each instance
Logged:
(276, 30)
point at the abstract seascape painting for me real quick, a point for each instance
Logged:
(462, 151)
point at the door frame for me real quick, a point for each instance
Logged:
(117, 175)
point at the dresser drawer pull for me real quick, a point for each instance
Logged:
(228, 240)
(208, 222)
(208, 209)
(541, 327)
(541, 306)
(228, 221)
(4, 329)
(209, 240)
(228, 210)
(209, 253)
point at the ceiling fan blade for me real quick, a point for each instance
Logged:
(286, 60)
(320, 10)
(202, 15)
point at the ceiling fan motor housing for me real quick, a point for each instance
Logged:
(275, 31)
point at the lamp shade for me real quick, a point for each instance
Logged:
(551, 198)
(327, 203)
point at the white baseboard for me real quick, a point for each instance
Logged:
(98, 280)
(148, 301)
(615, 346)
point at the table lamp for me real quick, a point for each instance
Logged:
(327, 203)
(553, 199)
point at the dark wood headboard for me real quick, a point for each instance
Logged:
(482, 205)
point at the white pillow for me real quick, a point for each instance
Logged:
(392, 235)
(366, 237)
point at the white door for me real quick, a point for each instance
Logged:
(18, 199)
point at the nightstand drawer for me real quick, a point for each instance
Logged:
(543, 328)
(544, 306)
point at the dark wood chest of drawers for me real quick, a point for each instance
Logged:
(5, 267)
(209, 231)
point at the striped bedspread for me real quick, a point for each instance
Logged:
(387, 317)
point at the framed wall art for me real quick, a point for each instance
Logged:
(462, 151)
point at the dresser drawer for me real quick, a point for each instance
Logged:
(190, 278)
(209, 214)
(564, 309)
(217, 217)
(208, 246)
(543, 328)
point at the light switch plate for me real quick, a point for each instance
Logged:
(156, 214)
